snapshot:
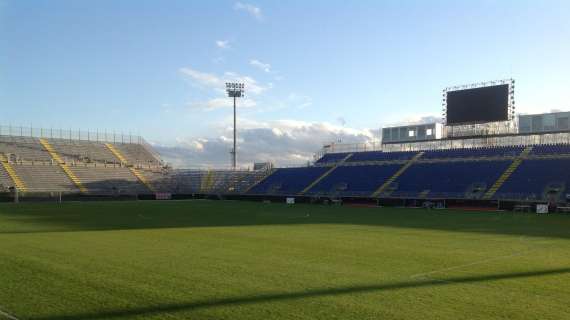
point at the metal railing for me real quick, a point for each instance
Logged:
(444, 144)
(70, 134)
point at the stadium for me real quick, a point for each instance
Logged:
(463, 217)
(483, 157)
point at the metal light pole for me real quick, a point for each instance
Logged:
(235, 90)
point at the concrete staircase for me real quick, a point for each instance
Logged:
(260, 180)
(397, 174)
(207, 182)
(324, 175)
(133, 170)
(55, 157)
(18, 183)
(508, 172)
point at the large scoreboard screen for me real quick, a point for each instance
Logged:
(478, 105)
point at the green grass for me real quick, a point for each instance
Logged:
(242, 260)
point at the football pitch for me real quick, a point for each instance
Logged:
(249, 260)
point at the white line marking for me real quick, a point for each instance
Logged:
(469, 264)
(7, 315)
(519, 253)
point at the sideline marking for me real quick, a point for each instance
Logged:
(515, 254)
(7, 315)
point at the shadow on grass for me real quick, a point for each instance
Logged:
(263, 298)
(130, 215)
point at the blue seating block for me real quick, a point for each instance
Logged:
(332, 158)
(359, 180)
(532, 177)
(288, 180)
(448, 179)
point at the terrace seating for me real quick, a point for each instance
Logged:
(44, 178)
(532, 178)
(109, 180)
(5, 181)
(288, 180)
(83, 151)
(332, 158)
(509, 151)
(355, 180)
(88, 163)
(138, 155)
(381, 156)
(448, 179)
(23, 149)
(551, 149)
(208, 181)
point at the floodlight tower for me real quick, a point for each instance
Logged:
(235, 90)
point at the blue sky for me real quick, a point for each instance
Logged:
(314, 70)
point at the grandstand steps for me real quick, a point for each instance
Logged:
(119, 155)
(271, 171)
(236, 181)
(55, 156)
(324, 175)
(207, 182)
(18, 183)
(398, 173)
(508, 172)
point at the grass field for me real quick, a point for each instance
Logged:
(245, 260)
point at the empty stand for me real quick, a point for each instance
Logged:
(507, 173)
(123, 158)
(332, 158)
(482, 152)
(66, 165)
(381, 156)
(288, 180)
(534, 178)
(23, 149)
(447, 179)
(137, 155)
(72, 151)
(9, 177)
(551, 149)
(34, 165)
(109, 180)
(384, 187)
(44, 178)
(324, 175)
(55, 156)
(354, 180)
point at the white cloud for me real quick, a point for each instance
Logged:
(416, 119)
(203, 78)
(266, 67)
(218, 83)
(284, 142)
(222, 102)
(300, 101)
(223, 44)
(249, 8)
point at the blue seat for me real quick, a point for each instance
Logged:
(288, 180)
(332, 158)
(551, 149)
(448, 179)
(355, 180)
(532, 178)
(381, 156)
